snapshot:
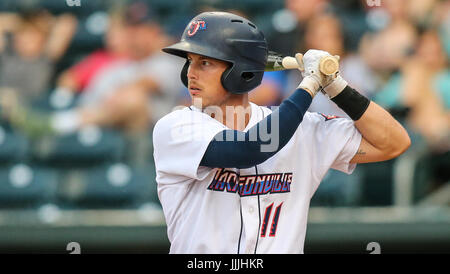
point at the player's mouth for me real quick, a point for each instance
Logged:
(194, 90)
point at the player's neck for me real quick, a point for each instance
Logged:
(235, 112)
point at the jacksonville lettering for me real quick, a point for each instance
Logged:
(249, 185)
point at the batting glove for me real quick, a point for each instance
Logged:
(335, 87)
(309, 83)
(332, 85)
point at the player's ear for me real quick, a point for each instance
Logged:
(183, 73)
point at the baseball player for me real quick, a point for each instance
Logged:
(235, 177)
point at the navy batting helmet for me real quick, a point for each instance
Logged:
(230, 38)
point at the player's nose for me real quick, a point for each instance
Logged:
(192, 73)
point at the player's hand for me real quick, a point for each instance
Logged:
(311, 63)
(310, 83)
(333, 84)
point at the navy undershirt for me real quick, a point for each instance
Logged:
(244, 150)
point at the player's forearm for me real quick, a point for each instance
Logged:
(382, 131)
(385, 136)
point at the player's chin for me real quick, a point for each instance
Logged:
(198, 100)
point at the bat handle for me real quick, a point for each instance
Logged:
(328, 65)
(291, 63)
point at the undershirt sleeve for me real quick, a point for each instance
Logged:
(237, 149)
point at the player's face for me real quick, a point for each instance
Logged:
(204, 80)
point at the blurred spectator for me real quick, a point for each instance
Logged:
(420, 12)
(289, 25)
(325, 32)
(392, 42)
(441, 21)
(133, 93)
(271, 91)
(31, 44)
(130, 94)
(78, 77)
(422, 85)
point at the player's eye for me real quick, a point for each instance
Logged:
(206, 63)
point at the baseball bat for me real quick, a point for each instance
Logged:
(329, 65)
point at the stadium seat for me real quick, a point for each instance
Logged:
(88, 145)
(44, 103)
(339, 189)
(13, 146)
(109, 185)
(23, 185)
(377, 183)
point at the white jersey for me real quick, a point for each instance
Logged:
(262, 209)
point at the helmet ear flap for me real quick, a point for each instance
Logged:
(233, 80)
(183, 73)
(238, 82)
(225, 76)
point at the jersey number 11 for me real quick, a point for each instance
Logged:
(276, 216)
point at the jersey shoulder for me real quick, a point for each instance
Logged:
(169, 119)
(172, 115)
(188, 119)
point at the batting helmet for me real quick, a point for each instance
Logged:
(230, 38)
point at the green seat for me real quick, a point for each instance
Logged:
(109, 185)
(23, 185)
(339, 189)
(13, 146)
(377, 183)
(85, 147)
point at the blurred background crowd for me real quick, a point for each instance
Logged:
(83, 82)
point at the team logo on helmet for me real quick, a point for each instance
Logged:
(195, 26)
